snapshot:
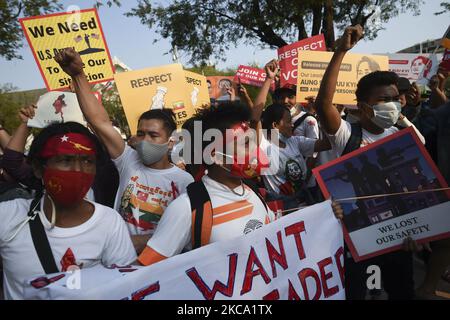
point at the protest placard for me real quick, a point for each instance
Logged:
(312, 66)
(197, 87)
(154, 88)
(299, 256)
(218, 86)
(410, 65)
(249, 75)
(445, 42)
(383, 191)
(288, 57)
(81, 30)
(56, 107)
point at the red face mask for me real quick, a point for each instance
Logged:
(67, 187)
(252, 165)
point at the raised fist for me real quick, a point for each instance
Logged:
(70, 61)
(350, 38)
(272, 69)
(27, 113)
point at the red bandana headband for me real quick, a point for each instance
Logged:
(68, 143)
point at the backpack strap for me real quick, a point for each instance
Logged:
(300, 120)
(201, 214)
(354, 142)
(40, 240)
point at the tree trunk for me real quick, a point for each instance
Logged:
(317, 19)
(328, 24)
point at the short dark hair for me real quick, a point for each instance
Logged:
(273, 113)
(63, 128)
(167, 116)
(372, 80)
(222, 117)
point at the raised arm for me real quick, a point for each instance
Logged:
(19, 138)
(4, 137)
(271, 69)
(70, 61)
(328, 114)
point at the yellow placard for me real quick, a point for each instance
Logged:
(80, 30)
(197, 87)
(312, 66)
(155, 88)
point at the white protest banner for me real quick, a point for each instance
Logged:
(410, 65)
(429, 70)
(56, 106)
(299, 256)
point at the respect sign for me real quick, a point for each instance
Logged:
(288, 57)
(157, 88)
(197, 87)
(81, 30)
(312, 66)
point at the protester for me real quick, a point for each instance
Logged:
(148, 181)
(229, 207)
(59, 229)
(14, 162)
(378, 111)
(291, 178)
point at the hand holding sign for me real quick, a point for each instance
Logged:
(350, 38)
(70, 61)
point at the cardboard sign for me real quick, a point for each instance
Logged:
(288, 57)
(251, 76)
(312, 66)
(197, 87)
(154, 88)
(218, 86)
(299, 256)
(48, 34)
(382, 190)
(57, 107)
(410, 65)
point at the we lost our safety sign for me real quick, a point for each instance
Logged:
(80, 30)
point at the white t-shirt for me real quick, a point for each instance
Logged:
(340, 138)
(233, 216)
(308, 128)
(103, 239)
(144, 193)
(292, 170)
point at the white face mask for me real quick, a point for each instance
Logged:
(386, 114)
(294, 111)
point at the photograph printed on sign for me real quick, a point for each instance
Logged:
(377, 188)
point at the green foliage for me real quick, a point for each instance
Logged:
(208, 28)
(445, 6)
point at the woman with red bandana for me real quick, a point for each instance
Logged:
(59, 229)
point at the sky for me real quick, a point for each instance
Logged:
(132, 42)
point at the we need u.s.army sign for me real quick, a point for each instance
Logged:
(80, 30)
